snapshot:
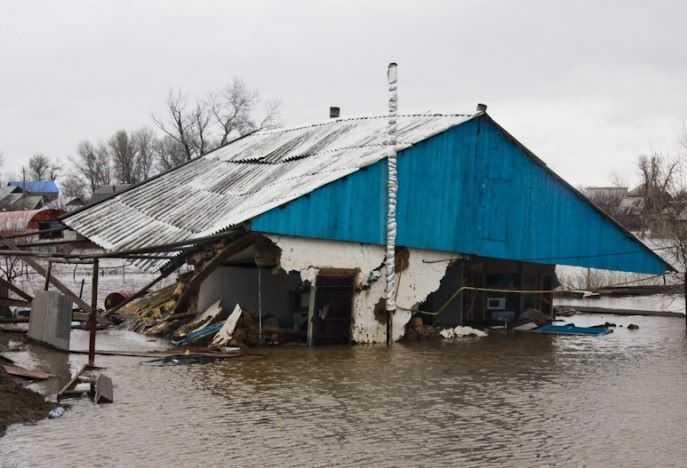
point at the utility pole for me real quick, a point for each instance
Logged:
(392, 188)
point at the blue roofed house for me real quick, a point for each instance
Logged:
(475, 209)
(47, 189)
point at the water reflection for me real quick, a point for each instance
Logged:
(515, 400)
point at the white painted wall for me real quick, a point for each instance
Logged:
(235, 285)
(308, 256)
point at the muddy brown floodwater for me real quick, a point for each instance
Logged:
(515, 400)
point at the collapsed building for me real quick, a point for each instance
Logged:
(290, 224)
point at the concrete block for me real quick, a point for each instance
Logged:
(51, 318)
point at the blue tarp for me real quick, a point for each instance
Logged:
(571, 329)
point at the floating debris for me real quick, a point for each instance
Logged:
(461, 331)
(56, 412)
(25, 373)
(571, 329)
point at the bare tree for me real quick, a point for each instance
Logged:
(658, 176)
(214, 121)
(73, 186)
(54, 170)
(169, 153)
(104, 165)
(39, 167)
(10, 268)
(144, 141)
(234, 111)
(123, 154)
(177, 124)
(92, 164)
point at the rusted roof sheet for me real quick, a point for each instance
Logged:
(244, 179)
(25, 220)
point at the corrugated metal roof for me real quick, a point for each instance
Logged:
(20, 201)
(244, 179)
(36, 186)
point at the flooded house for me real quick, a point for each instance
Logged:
(290, 224)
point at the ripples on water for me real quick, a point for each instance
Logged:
(516, 400)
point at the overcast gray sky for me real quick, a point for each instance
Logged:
(585, 85)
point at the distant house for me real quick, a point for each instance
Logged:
(105, 191)
(610, 193)
(47, 189)
(12, 198)
(67, 204)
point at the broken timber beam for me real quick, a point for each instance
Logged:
(6, 301)
(140, 293)
(195, 282)
(40, 269)
(15, 289)
(72, 383)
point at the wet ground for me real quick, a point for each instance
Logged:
(515, 400)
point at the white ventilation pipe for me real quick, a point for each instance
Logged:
(392, 187)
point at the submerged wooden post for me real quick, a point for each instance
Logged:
(47, 276)
(94, 311)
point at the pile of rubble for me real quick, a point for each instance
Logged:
(416, 330)
(152, 316)
(172, 312)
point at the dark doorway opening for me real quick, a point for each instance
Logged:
(331, 320)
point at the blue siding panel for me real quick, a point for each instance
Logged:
(471, 189)
(349, 209)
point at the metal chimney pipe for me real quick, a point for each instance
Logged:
(481, 107)
(334, 112)
(392, 187)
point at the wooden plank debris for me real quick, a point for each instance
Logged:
(6, 301)
(138, 294)
(198, 278)
(66, 390)
(25, 373)
(226, 333)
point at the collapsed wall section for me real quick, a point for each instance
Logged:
(416, 279)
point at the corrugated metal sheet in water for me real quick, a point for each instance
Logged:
(244, 179)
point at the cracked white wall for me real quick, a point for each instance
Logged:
(423, 275)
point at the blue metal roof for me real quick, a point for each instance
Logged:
(471, 189)
(36, 186)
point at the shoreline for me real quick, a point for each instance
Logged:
(615, 311)
(19, 404)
